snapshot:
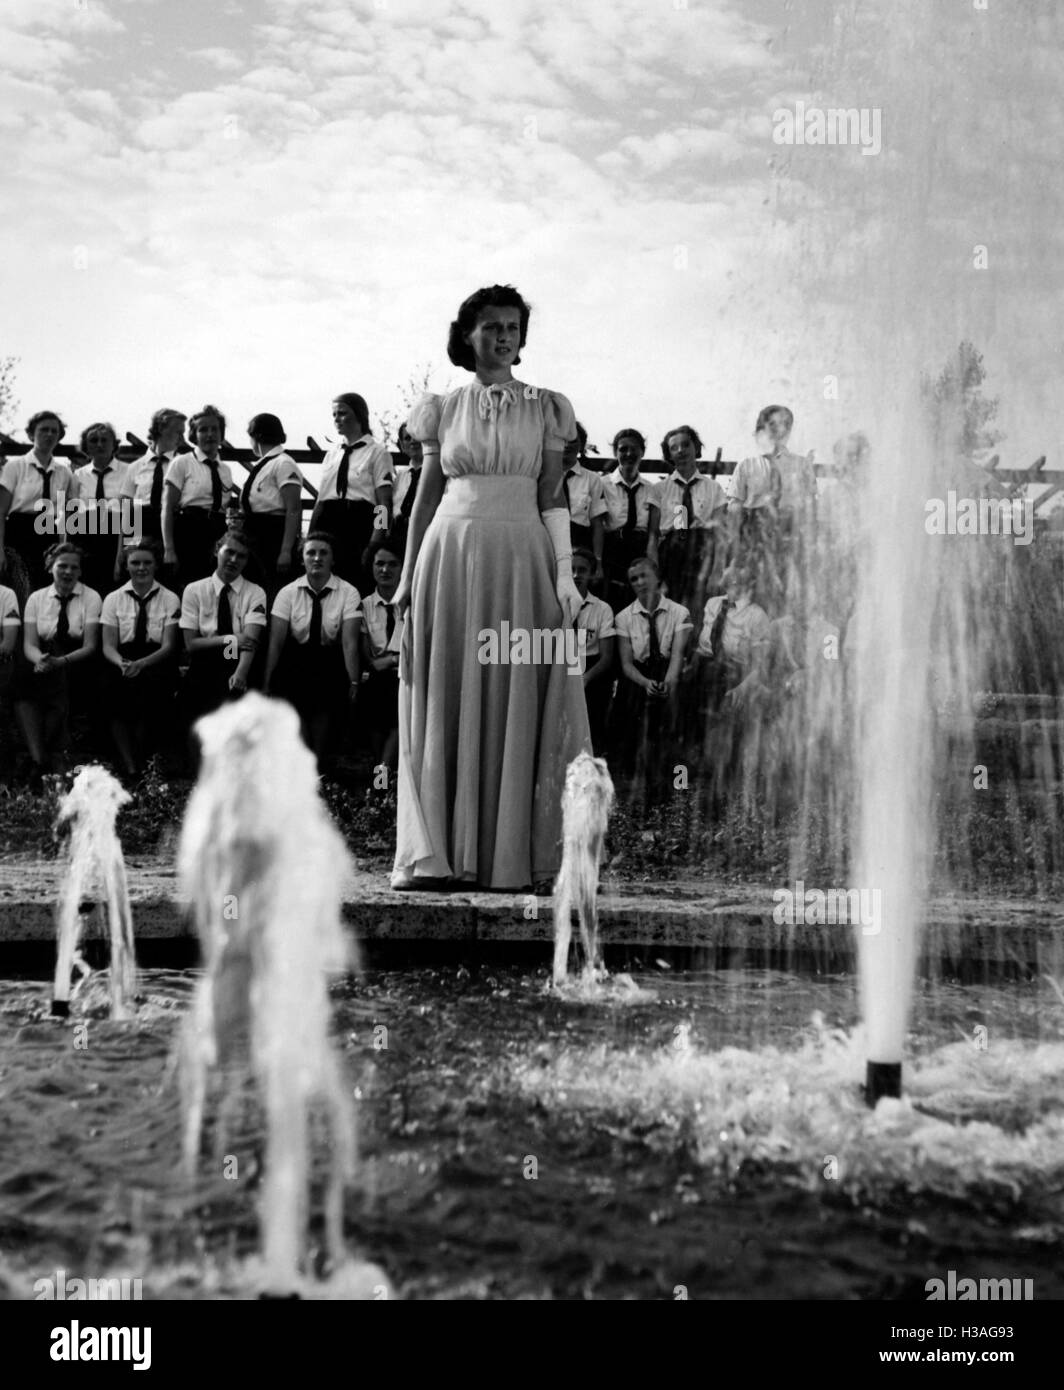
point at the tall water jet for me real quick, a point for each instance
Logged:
(264, 869)
(96, 877)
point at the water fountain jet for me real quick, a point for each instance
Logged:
(96, 878)
(265, 870)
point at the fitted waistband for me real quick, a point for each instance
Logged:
(504, 496)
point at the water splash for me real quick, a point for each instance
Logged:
(586, 803)
(264, 870)
(96, 876)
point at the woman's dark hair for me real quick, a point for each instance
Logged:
(40, 415)
(394, 541)
(581, 438)
(628, 434)
(458, 350)
(681, 429)
(61, 548)
(91, 429)
(148, 543)
(322, 537)
(233, 534)
(582, 553)
(763, 418)
(645, 560)
(357, 406)
(207, 412)
(161, 420)
(266, 430)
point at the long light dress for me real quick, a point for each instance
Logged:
(484, 747)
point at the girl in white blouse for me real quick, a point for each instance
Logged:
(61, 635)
(355, 497)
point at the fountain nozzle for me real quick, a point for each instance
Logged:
(882, 1079)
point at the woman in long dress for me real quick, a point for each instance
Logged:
(488, 722)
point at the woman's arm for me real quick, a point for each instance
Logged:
(90, 645)
(248, 644)
(8, 640)
(31, 644)
(555, 514)
(171, 502)
(109, 643)
(278, 637)
(598, 541)
(349, 642)
(624, 646)
(653, 527)
(291, 496)
(166, 650)
(672, 675)
(603, 668)
(6, 498)
(429, 493)
(383, 498)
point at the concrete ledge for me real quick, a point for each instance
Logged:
(703, 916)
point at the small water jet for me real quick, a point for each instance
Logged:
(96, 878)
(264, 870)
(586, 803)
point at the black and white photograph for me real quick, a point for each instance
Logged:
(532, 668)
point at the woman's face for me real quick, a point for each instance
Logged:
(209, 434)
(629, 457)
(318, 559)
(496, 339)
(66, 571)
(141, 566)
(232, 558)
(171, 435)
(778, 426)
(411, 447)
(46, 435)
(682, 453)
(386, 569)
(644, 584)
(100, 446)
(346, 421)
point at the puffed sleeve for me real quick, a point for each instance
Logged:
(559, 420)
(424, 422)
(93, 606)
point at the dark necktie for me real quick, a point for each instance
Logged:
(225, 613)
(253, 473)
(62, 627)
(345, 467)
(688, 505)
(717, 630)
(140, 627)
(408, 500)
(216, 484)
(633, 512)
(101, 492)
(576, 620)
(317, 600)
(389, 623)
(156, 499)
(652, 632)
(46, 482)
(565, 486)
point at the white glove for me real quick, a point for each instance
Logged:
(556, 520)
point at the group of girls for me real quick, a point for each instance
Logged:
(209, 579)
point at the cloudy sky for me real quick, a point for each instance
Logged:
(262, 204)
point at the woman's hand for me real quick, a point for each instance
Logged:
(401, 598)
(132, 668)
(352, 692)
(284, 562)
(238, 682)
(570, 600)
(170, 558)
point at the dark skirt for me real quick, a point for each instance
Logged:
(618, 553)
(265, 533)
(57, 690)
(206, 684)
(312, 679)
(195, 531)
(597, 695)
(29, 545)
(351, 525)
(378, 701)
(145, 697)
(690, 564)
